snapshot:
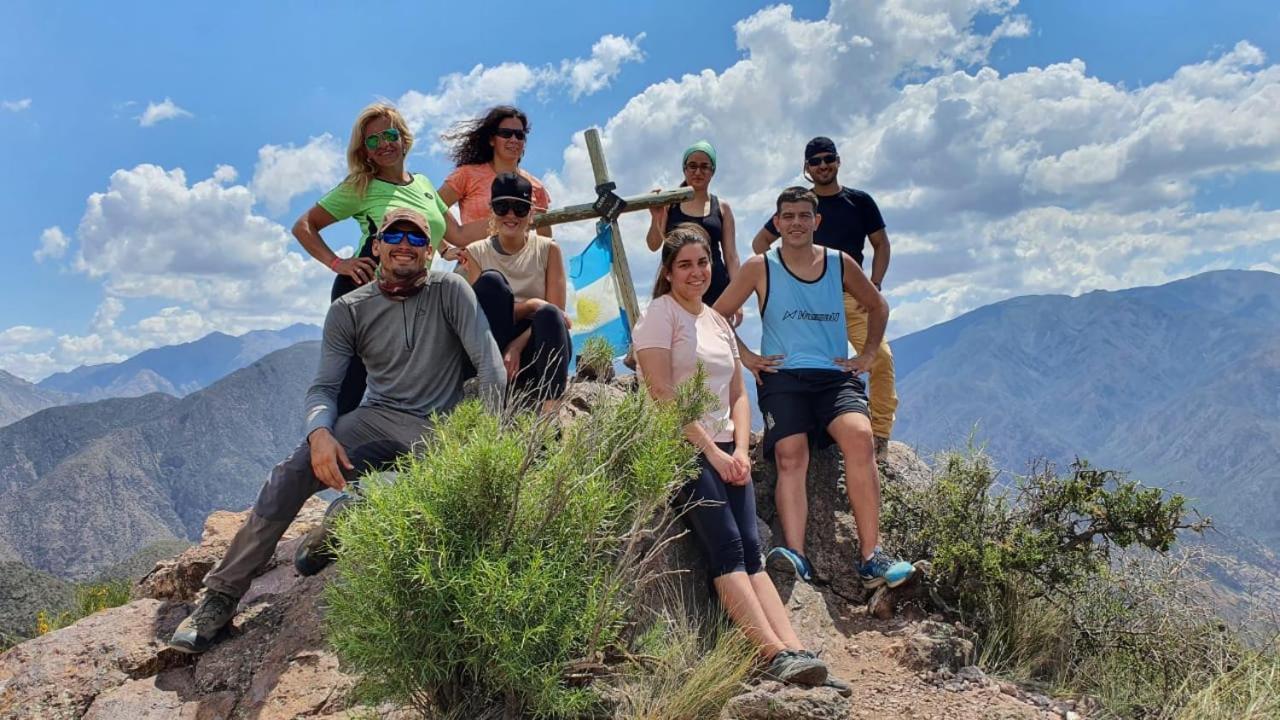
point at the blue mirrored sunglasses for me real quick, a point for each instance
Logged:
(393, 237)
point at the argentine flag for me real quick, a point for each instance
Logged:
(593, 299)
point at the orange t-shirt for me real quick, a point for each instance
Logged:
(472, 183)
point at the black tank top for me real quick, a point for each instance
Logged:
(713, 223)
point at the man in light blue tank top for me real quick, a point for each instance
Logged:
(810, 390)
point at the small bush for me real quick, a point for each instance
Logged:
(1249, 691)
(502, 553)
(1070, 581)
(595, 358)
(89, 598)
(684, 669)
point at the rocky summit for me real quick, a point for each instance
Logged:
(276, 663)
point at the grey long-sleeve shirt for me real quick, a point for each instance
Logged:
(415, 349)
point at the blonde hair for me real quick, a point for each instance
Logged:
(360, 169)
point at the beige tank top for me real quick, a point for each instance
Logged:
(526, 270)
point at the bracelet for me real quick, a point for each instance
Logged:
(333, 264)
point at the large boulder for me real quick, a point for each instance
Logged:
(275, 663)
(831, 536)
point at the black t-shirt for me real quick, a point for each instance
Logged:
(848, 217)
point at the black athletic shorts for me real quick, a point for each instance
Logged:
(806, 401)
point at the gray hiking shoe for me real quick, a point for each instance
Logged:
(796, 668)
(201, 628)
(316, 550)
(833, 682)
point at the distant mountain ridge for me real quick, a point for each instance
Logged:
(86, 486)
(19, 398)
(1178, 383)
(176, 369)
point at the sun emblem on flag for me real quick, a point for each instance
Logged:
(589, 311)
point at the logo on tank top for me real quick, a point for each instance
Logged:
(806, 315)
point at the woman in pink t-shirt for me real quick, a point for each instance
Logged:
(676, 334)
(482, 148)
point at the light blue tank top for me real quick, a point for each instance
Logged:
(804, 321)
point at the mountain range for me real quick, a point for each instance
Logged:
(175, 369)
(19, 398)
(1178, 384)
(88, 485)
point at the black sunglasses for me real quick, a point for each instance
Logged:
(817, 160)
(502, 207)
(508, 133)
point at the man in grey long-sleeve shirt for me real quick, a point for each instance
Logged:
(420, 334)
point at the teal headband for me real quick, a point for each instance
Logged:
(701, 146)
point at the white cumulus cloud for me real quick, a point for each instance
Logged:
(459, 96)
(586, 76)
(284, 172)
(1043, 180)
(160, 111)
(53, 245)
(16, 105)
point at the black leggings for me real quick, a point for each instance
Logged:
(353, 383)
(723, 519)
(544, 364)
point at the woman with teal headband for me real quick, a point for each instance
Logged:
(705, 210)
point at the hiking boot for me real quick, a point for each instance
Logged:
(840, 686)
(796, 668)
(880, 569)
(833, 682)
(201, 628)
(784, 559)
(882, 449)
(316, 550)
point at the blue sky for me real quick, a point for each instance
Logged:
(1150, 161)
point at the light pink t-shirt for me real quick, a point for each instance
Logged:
(472, 184)
(706, 338)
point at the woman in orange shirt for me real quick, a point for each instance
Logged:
(482, 148)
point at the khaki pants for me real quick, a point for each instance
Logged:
(882, 395)
(373, 438)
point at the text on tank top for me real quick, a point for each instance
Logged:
(804, 320)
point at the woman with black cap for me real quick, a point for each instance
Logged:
(519, 279)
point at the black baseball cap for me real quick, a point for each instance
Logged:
(511, 186)
(818, 146)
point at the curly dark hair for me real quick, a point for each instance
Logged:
(470, 138)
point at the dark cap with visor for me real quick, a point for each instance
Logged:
(511, 186)
(819, 146)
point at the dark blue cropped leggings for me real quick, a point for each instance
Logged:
(723, 518)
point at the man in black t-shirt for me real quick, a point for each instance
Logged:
(850, 218)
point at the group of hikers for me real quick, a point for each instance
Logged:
(399, 341)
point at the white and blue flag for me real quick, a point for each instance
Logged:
(593, 298)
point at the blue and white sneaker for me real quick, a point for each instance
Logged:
(784, 559)
(880, 569)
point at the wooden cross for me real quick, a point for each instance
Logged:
(575, 213)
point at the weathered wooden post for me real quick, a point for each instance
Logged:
(621, 269)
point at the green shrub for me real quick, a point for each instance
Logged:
(1249, 691)
(684, 667)
(90, 598)
(502, 553)
(596, 357)
(1069, 580)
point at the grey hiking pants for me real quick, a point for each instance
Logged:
(373, 438)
